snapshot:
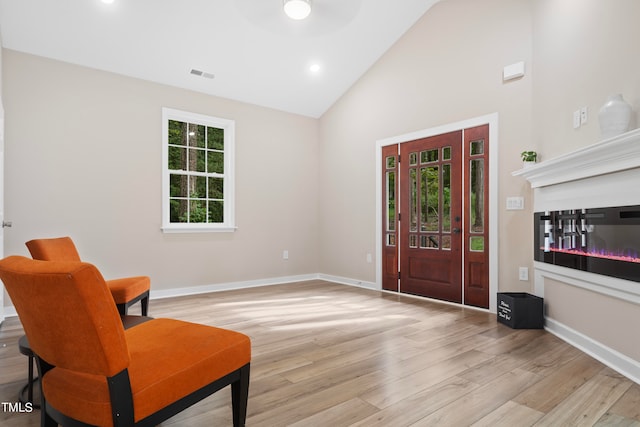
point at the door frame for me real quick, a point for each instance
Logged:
(492, 121)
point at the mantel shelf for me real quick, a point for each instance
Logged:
(615, 154)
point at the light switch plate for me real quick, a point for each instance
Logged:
(515, 203)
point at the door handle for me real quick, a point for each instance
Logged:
(6, 224)
(456, 231)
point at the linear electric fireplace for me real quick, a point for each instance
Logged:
(601, 240)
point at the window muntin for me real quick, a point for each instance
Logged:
(198, 178)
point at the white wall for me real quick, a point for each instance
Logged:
(447, 68)
(83, 150)
(585, 50)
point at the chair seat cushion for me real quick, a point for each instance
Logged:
(169, 360)
(125, 289)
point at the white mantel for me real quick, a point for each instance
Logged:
(600, 175)
(616, 154)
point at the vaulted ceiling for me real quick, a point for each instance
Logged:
(245, 50)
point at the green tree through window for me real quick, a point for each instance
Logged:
(197, 162)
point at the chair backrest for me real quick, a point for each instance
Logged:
(67, 313)
(56, 249)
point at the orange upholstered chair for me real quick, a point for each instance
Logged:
(125, 292)
(94, 372)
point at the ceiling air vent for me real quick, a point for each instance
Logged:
(202, 74)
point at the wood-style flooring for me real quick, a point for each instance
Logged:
(332, 355)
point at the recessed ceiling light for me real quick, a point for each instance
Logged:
(297, 9)
(107, 1)
(314, 68)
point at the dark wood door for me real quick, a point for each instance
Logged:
(390, 218)
(431, 217)
(476, 208)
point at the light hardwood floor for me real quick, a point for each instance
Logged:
(333, 355)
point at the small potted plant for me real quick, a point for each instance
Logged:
(529, 158)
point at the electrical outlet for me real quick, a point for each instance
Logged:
(523, 273)
(369, 258)
(285, 254)
(583, 115)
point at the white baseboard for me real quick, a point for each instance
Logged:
(229, 286)
(347, 281)
(615, 360)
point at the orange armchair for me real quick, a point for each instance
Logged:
(94, 372)
(125, 292)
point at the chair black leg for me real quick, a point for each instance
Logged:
(144, 305)
(122, 309)
(240, 397)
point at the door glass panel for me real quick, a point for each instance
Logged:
(391, 162)
(446, 243)
(429, 242)
(391, 201)
(430, 199)
(413, 159)
(476, 243)
(413, 200)
(429, 156)
(476, 196)
(446, 198)
(391, 239)
(413, 241)
(477, 147)
(446, 153)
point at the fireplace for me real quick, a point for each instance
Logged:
(597, 240)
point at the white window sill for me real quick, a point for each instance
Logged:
(194, 228)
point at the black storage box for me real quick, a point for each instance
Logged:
(520, 310)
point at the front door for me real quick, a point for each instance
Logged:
(431, 217)
(435, 217)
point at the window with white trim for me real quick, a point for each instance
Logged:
(197, 172)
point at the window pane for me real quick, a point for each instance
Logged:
(446, 153)
(216, 211)
(476, 243)
(177, 158)
(413, 200)
(197, 160)
(197, 211)
(391, 201)
(429, 156)
(391, 239)
(391, 162)
(446, 198)
(215, 162)
(477, 196)
(178, 210)
(178, 185)
(413, 159)
(216, 188)
(477, 147)
(446, 243)
(430, 199)
(198, 187)
(177, 133)
(196, 135)
(215, 138)
(429, 242)
(413, 241)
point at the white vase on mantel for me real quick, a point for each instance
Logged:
(614, 116)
